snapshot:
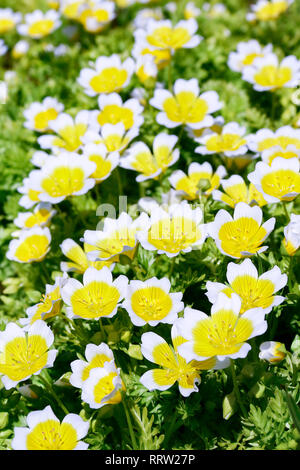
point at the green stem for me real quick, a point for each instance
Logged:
(172, 266)
(119, 181)
(236, 389)
(286, 212)
(170, 75)
(129, 423)
(101, 328)
(170, 430)
(49, 388)
(260, 266)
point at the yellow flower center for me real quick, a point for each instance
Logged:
(70, 137)
(113, 114)
(103, 167)
(104, 387)
(51, 435)
(109, 80)
(224, 143)
(33, 247)
(168, 38)
(38, 218)
(42, 119)
(97, 299)
(241, 235)
(63, 181)
(253, 292)
(185, 107)
(249, 58)
(151, 303)
(6, 24)
(116, 242)
(173, 235)
(22, 357)
(280, 183)
(41, 28)
(272, 76)
(271, 11)
(97, 361)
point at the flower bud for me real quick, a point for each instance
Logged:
(272, 351)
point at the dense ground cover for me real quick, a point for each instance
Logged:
(250, 403)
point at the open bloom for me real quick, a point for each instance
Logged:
(253, 290)
(108, 75)
(94, 16)
(177, 230)
(266, 10)
(25, 354)
(20, 49)
(151, 164)
(246, 53)
(146, 68)
(200, 178)
(112, 110)
(71, 8)
(49, 305)
(272, 351)
(266, 139)
(243, 234)
(291, 151)
(119, 236)
(96, 356)
(230, 142)
(30, 196)
(32, 245)
(46, 432)
(113, 136)
(163, 35)
(106, 162)
(79, 261)
(186, 105)
(173, 367)
(8, 19)
(38, 115)
(69, 132)
(223, 334)
(40, 217)
(292, 235)
(38, 24)
(151, 302)
(236, 190)
(142, 49)
(268, 74)
(103, 386)
(191, 11)
(62, 176)
(98, 297)
(278, 182)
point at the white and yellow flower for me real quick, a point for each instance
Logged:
(39, 158)
(143, 16)
(25, 354)
(99, 296)
(174, 231)
(146, 68)
(30, 196)
(268, 74)
(38, 115)
(112, 110)
(173, 367)
(272, 351)
(243, 234)
(246, 53)
(150, 302)
(142, 48)
(200, 178)
(278, 182)
(185, 105)
(265, 139)
(103, 386)
(266, 10)
(290, 151)
(8, 19)
(40, 217)
(49, 305)
(106, 162)
(46, 432)
(253, 290)
(20, 49)
(231, 142)
(236, 190)
(79, 261)
(71, 8)
(69, 132)
(119, 236)
(113, 136)
(32, 245)
(38, 24)
(191, 11)
(150, 164)
(292, 235)
(108, 75)
(65, 175)
(163, 35)
(223, 334)
(95, 15)
(218, 123)
(96, 356)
